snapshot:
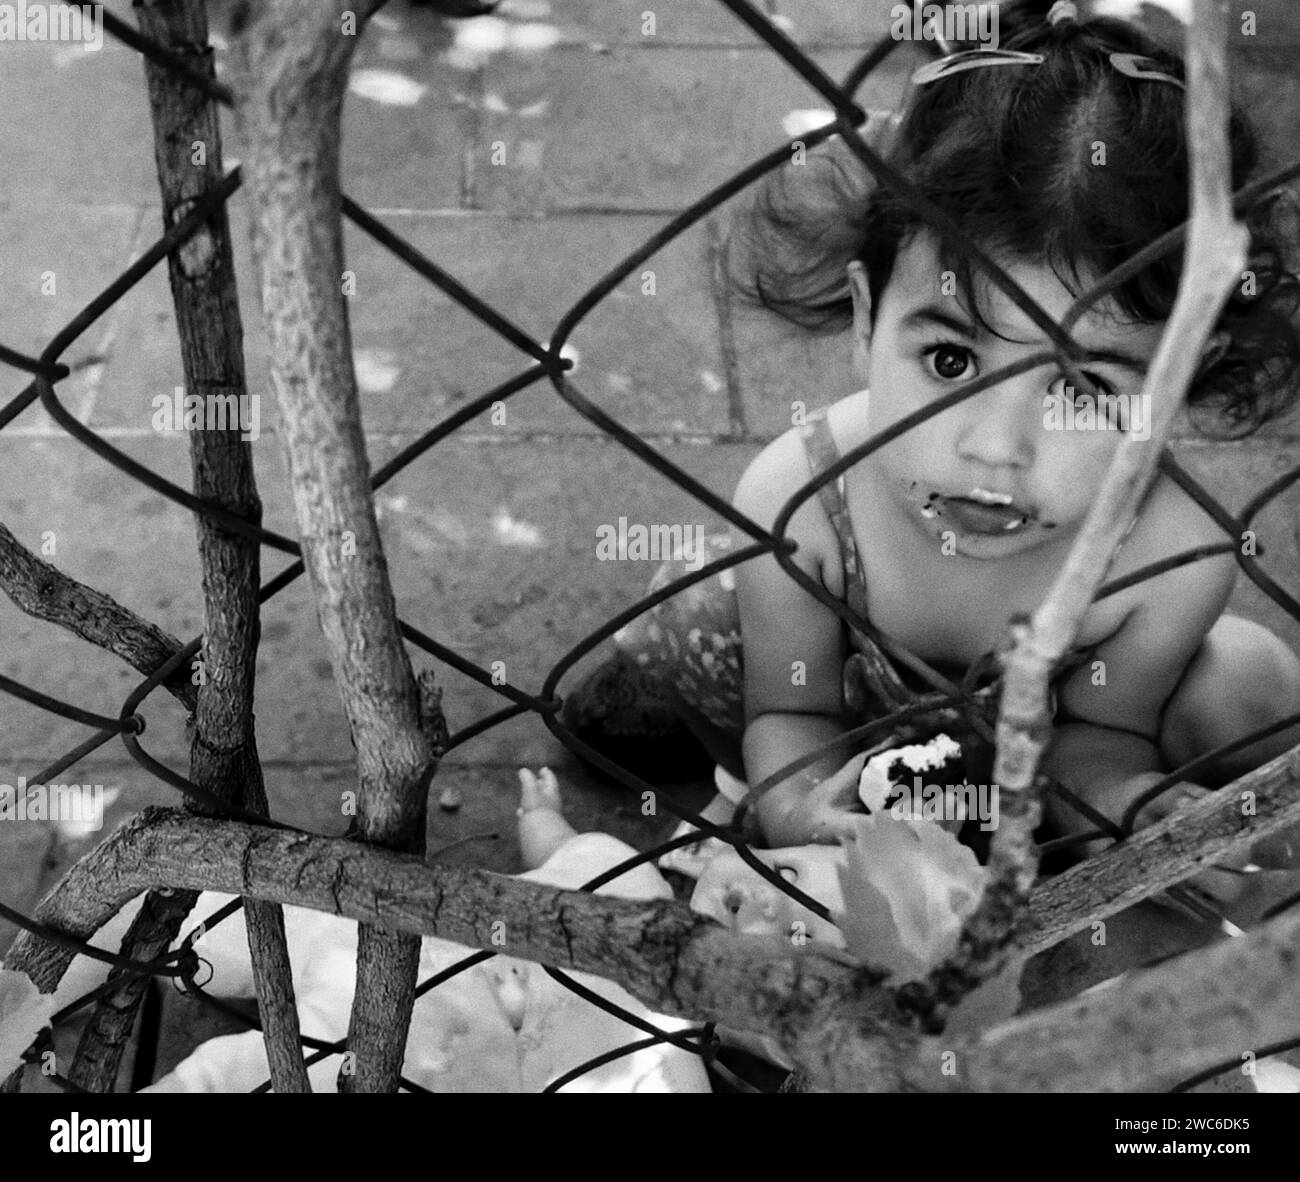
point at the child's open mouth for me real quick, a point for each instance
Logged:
(985, 513)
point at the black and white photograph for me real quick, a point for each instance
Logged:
(651, 546)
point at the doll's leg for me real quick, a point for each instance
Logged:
(542, 827)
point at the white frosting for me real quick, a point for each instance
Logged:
(876, 783)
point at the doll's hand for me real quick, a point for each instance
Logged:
(790, 814)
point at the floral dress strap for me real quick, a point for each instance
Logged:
(872, 686)
(822, 452)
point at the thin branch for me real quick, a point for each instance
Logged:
(223, 752)
(106, 1035)
(1144, 1033)
(290, 61)
(1215, 253)
(676, 961)
(1264, 801)
(45, 593)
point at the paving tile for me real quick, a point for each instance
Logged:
(650, 358)
(1270, 95)
(863, 22)
(394, 155)
(679, 22)
(119, 537)
(72, 252)
(66, 149)
(780, 364)
(709, 21)
(420, 356)
(1276, 22)
(634, 130)
(56, 260)
(144, 358)
(491, 549)
(493, 553)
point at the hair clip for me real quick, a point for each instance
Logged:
(1136, 66)
(1063, 10)
(973, 59)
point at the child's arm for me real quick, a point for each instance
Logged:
(1100, 764)
(812, 806)
(794, 654)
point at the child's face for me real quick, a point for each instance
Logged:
(1018, 465)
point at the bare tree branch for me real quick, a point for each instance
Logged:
(291, 61)
(842, 1028)
(98, 1058)
(1215, 253)
(223, 753)
(1261, 803)
(1216, 249)
(1143, 1033)
(46, 593)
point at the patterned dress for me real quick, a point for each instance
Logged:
(692, 641)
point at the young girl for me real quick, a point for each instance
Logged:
(1060, 158)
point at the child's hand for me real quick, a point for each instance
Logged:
(791, 814)
(1223, 883)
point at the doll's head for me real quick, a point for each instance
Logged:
(735, 895)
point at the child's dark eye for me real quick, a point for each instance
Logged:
(1103, 388)
(949, 362)
(1106, 408)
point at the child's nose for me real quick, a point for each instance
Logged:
(999, 425)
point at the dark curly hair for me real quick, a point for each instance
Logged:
(1008, 153)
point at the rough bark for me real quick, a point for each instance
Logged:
(290, 62)
(844, 1030)
(1143, 1033)
(1259, 804)
(223, 752)
(98, 1058)
(45, 593)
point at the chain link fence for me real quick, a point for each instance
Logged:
(944, 699)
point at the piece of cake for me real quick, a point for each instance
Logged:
(917, 781)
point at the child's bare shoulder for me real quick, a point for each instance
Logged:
(771, 478)
(1171, 524)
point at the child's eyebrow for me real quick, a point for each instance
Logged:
(929, 315)
(1112, 357)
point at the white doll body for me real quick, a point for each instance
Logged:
(501, 1026)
